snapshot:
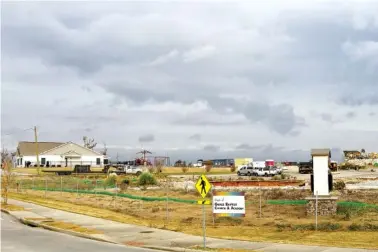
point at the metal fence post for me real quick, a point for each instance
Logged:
(45, 187)
(61, 186)
(116, 193)
(77, 187)
(95, 189)
(260, 201)
(166, 203)
(316, 210)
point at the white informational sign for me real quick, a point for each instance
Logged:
(229, 204)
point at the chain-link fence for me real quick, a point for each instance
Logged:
(278, 209)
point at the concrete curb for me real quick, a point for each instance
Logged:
(73, 233)
(173, 249)
(5, 211)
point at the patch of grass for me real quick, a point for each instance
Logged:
(309, 227)
(10, 207)
(221, 249)
(39, 219)
(196, 170)
(363, 227)
(71, 227)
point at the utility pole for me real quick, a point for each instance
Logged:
(36, 147)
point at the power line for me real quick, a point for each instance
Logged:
(16, 132)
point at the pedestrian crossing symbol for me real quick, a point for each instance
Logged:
(203, 186)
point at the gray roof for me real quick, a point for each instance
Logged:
(29, 148)
(321, 152)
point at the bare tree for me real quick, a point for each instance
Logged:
(105, 150)
(89, 142)
(6, 176)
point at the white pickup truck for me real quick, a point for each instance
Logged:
(129, 169)
(245, 170)
(265, 172)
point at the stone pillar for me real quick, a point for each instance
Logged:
(326, 205)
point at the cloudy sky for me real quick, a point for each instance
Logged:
(193, 79)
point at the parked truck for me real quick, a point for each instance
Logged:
(128, 169)
(306, 167)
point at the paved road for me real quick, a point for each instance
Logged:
(16, 237)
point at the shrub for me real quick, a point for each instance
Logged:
(328, 226)
(208, 165)
(184, 169)
(364, 227)
(339, 185)
(208, 168)
(110, 181)
(277, 177)
(284, 176)
(147, 179)
(232, 168)
(123, 183)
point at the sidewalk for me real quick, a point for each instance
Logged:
(156, 238)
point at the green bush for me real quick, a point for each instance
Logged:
(147, 179)
(110, 181)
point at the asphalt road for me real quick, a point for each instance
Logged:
(16, 237)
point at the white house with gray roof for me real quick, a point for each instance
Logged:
(56, 154)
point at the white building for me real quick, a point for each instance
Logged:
(54, 154)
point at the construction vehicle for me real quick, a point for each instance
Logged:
(306, 167)
(350, 166)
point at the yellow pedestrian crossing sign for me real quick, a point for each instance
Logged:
(203, 186)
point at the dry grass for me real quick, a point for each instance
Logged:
(71, 227)
(222, 249)
(31, 171)
(10, 207)
(187, 218)
(196, 170)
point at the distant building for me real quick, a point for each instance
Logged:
(56, 154)
(243, 161)
(222, 162)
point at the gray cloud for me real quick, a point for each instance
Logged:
(354, 100)
(350, 114)
(248, 147)
(147, 138)
(196, 137)
(211, 148)
(327, 117)
(251, 75)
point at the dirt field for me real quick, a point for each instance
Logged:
(166, 170)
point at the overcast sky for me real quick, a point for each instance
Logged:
(200, 79)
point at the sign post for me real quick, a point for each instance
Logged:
(203, 186)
